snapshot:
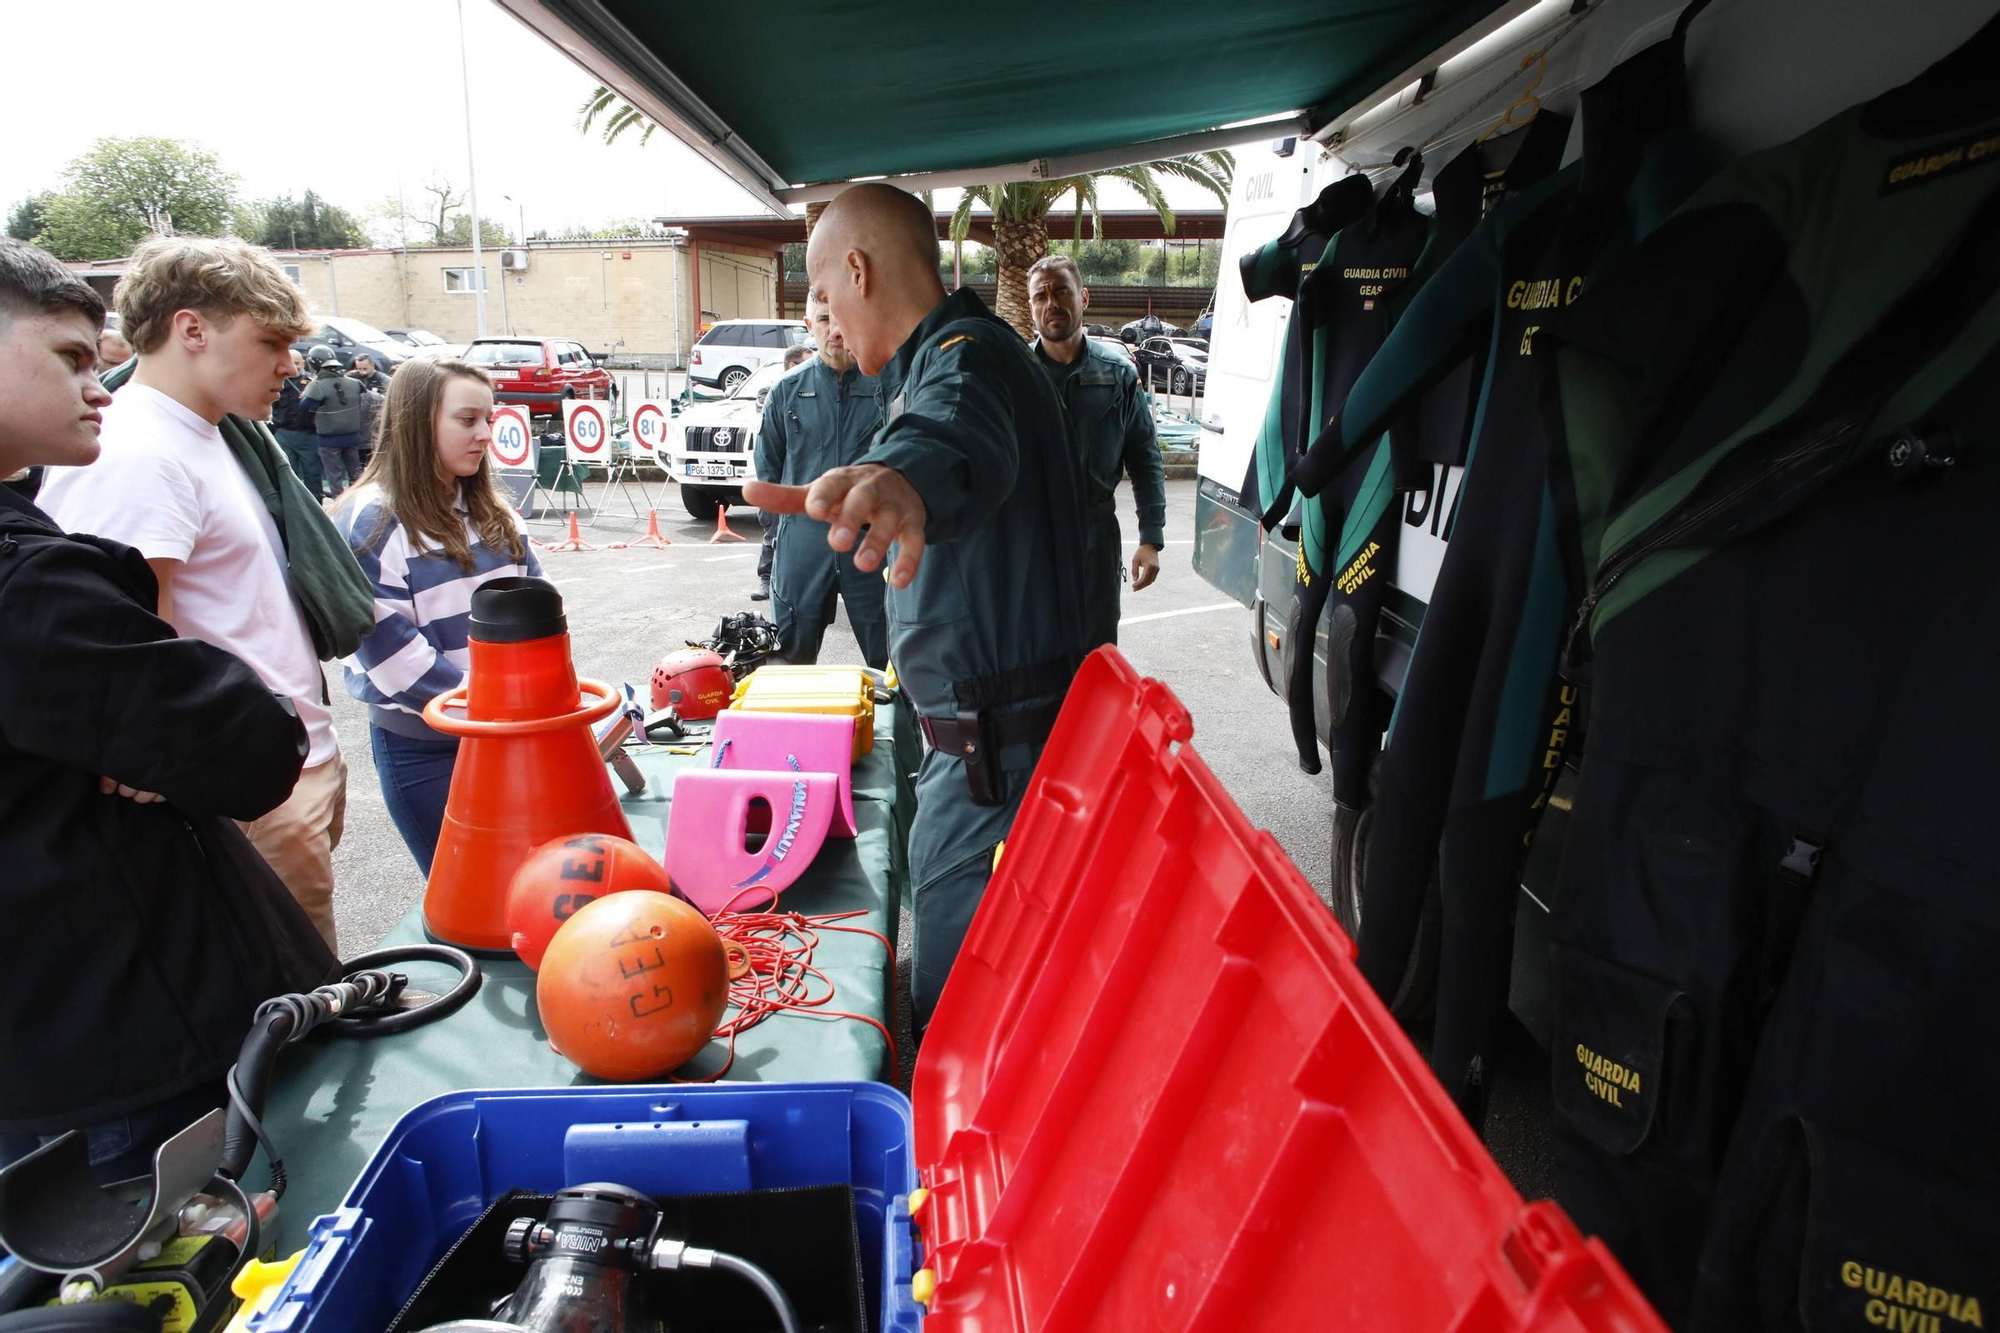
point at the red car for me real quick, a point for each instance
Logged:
(540, 372)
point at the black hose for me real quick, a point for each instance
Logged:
(352, 1006)
(781, 1304)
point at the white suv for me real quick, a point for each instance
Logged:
(732, 348)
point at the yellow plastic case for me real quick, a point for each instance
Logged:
(845, 691)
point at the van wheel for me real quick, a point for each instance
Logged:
(1416, 994)
(699, 501)
(732, 377)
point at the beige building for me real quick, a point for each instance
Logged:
(634, 297)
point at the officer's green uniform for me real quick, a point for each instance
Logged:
(817, 419)
(1111, 429)
(989, 633)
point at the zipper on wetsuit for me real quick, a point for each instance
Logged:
(1675, 524)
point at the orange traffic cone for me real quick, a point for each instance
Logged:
(528, 768)
(654, 537)
(722, 532)
(573, 542)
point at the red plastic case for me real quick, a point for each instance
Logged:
(1157, 1095)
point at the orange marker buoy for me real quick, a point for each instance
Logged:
(633, 985)
(561, 878)
(528, 769)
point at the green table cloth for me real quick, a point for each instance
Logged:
(334, 1099)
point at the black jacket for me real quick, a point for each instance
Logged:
(139, 939)
(285, 414)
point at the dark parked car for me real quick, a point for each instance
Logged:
(350, 338)
(1176, 365)
(540, 372)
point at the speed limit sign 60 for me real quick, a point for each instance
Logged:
(513, 444)
(649, 428)
(587, 428)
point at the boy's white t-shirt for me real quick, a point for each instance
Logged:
(166, 484)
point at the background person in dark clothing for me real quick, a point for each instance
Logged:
(333, 403)
(294, 429)
(142, 930)
(366, 375)
(794, 358)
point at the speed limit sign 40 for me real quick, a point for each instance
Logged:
(513, 443)
(649, 429)
(587, 429)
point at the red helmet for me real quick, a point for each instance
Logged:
(694, 681)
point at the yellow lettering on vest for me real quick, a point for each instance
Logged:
(1895, 1291)
(1575, 290)
(1563, 718)
(1875, 1282)
(1876, 1312)
(1528, 339)
(1514, 294)
(1970, 1312)
(1850, 1273)
(1568, 694)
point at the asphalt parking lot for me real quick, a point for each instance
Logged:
(627, 608)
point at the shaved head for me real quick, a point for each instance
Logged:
(873, 262)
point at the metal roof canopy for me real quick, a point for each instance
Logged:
(1190, 224)
(998, 91)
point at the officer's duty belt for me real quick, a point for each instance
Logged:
(978, 738)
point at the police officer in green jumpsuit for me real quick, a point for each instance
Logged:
(973, 498)
(1110, 428)
(820, 417)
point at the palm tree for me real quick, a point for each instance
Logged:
(1021, 210)
(619, 115)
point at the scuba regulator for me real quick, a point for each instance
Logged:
(585, 1265)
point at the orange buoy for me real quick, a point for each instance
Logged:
(562, 876)
(634, 984)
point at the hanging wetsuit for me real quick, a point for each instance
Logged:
(1479, 729)
(1465, 190)
(1778, 914)
(1277, 268)
(1347, 533)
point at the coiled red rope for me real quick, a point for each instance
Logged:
(782, 978)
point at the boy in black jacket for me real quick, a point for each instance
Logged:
(142, 930)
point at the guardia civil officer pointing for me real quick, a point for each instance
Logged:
(973, 497)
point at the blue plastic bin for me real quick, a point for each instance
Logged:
(451, 1157)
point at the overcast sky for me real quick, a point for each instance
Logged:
(347, 100)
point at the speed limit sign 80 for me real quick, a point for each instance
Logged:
(649, 428)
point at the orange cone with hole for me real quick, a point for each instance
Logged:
(633, 985)
(528, 768)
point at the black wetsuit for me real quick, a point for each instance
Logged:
(1481, 725)
(1347, 533)
(1778, 916)
(1278, 268)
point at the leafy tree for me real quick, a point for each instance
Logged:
(459, 231)
(308, 223)
(1021, 210)
(618, 116)
(120, 190)
(25, 223)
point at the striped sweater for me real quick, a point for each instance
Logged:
(423, 608)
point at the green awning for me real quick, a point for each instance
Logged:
(791, 94)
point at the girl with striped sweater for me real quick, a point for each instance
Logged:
(429, 526)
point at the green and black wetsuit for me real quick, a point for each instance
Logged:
(1347, 533)
(1778, 914)
(1278, 268)
(1479, 728)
